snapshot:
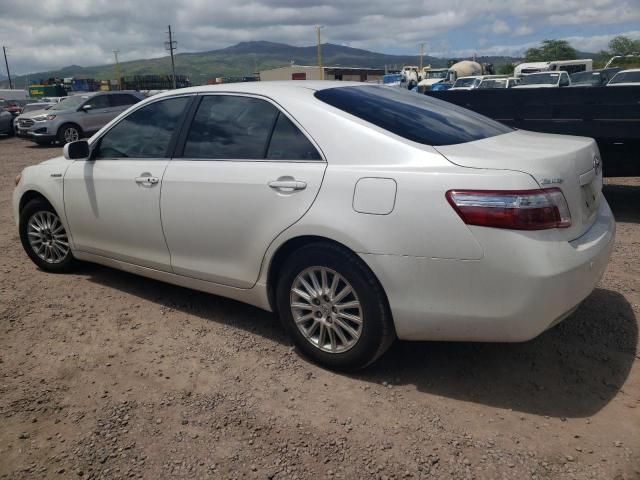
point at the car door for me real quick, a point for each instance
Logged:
(244, 172)
(112, 200)
(97, 112)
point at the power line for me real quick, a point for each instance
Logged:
(171, 45)
(4, 50)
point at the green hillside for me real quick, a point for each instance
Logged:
(243, 59)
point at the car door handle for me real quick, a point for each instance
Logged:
(287, 185)
(147, 180)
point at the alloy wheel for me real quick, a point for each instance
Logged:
(71, 134)
(326, 309)
(47, 237)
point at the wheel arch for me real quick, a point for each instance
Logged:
(29, 195)
(285, 250)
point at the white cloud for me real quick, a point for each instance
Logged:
(523, 30)
(500, 27)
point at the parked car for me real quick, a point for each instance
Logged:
(625, 78)
(6, 123)
(52, 99)
(441, 86)
(358, 213)
(545, 80)
(595, 78)
(491, 83)
(30, 107)
(14, 106)
(75, 117)
(466, 83)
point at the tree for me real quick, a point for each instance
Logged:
(622, 45)
(551, 50)
(506, 69)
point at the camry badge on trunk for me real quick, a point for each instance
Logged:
(551, 181)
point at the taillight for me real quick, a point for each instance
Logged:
(513, 209)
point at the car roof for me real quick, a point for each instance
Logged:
(266, 88)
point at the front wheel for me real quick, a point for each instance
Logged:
(333, 307)
(44, 237)
(68, 133)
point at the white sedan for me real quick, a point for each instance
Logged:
(358, 213)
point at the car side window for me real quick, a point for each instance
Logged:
(289, 143)
(122, 99)
(144, 133)
(99, 101)
(230, 127)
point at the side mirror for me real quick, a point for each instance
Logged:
(76, 150)
(86, 107)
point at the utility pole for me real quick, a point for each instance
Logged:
(171, 45)
(4, 50)
(115, 54)
(421, 55)
(321, 70)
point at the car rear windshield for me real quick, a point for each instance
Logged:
(416, 117)
(626, 77)
(540, 79)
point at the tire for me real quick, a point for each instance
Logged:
(35, 217)
(359, 344)
(69, 132)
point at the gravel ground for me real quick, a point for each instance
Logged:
(108, 375)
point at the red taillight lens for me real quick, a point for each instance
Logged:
(513, 209)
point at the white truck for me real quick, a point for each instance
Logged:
(569, 66)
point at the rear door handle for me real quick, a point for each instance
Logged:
(147, 180)
(288, 185)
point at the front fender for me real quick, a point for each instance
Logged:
(47, 180)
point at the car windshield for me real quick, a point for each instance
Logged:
(585, 78)
(71, 102)
(442, 74)
(626, 77)
(500, 83)
(464, 82)
(418, 118)
(33, 107)
(541, 79)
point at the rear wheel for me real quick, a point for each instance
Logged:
(44, 237)
(333, 307)
(69, 132)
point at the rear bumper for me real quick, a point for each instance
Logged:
(525, 283)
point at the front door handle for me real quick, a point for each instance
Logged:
(288, 184)
(147, 180)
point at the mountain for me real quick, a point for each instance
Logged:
(244, 59)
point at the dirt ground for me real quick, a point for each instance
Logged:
(107, 375)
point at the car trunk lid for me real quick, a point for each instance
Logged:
(569, 163)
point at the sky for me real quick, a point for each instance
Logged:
(51, 34)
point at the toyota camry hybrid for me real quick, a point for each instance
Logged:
(358, 213)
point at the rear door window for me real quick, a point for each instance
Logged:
(416, 117)
(123, 99)
(99, 101)
(289, 143)
(230, 127)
